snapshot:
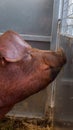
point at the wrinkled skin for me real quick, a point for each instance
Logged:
(24, 70)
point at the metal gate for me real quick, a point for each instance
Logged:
(63, 93)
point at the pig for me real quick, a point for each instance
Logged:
(24, 70)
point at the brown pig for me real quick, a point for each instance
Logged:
(24, 70)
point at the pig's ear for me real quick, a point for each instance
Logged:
(12, 47)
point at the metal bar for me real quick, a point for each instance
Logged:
(53, 47)
(65, 2)
(67, 80)
(67, 35)
(69, 15)
(68, 25)
(60, 9)
(70, 4)
(35, 38)
(55, 23)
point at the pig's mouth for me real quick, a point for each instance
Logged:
(54, 72)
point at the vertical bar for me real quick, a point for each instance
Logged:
(60, 9)
(55, 23)
(53, 47)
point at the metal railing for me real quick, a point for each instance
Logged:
(67, 17)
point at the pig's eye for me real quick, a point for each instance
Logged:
(27, 57)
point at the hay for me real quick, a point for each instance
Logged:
(21, 124)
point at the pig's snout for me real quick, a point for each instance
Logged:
(61, 57)
(58, 63)
(55, 59)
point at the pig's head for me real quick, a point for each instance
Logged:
(39, 67)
